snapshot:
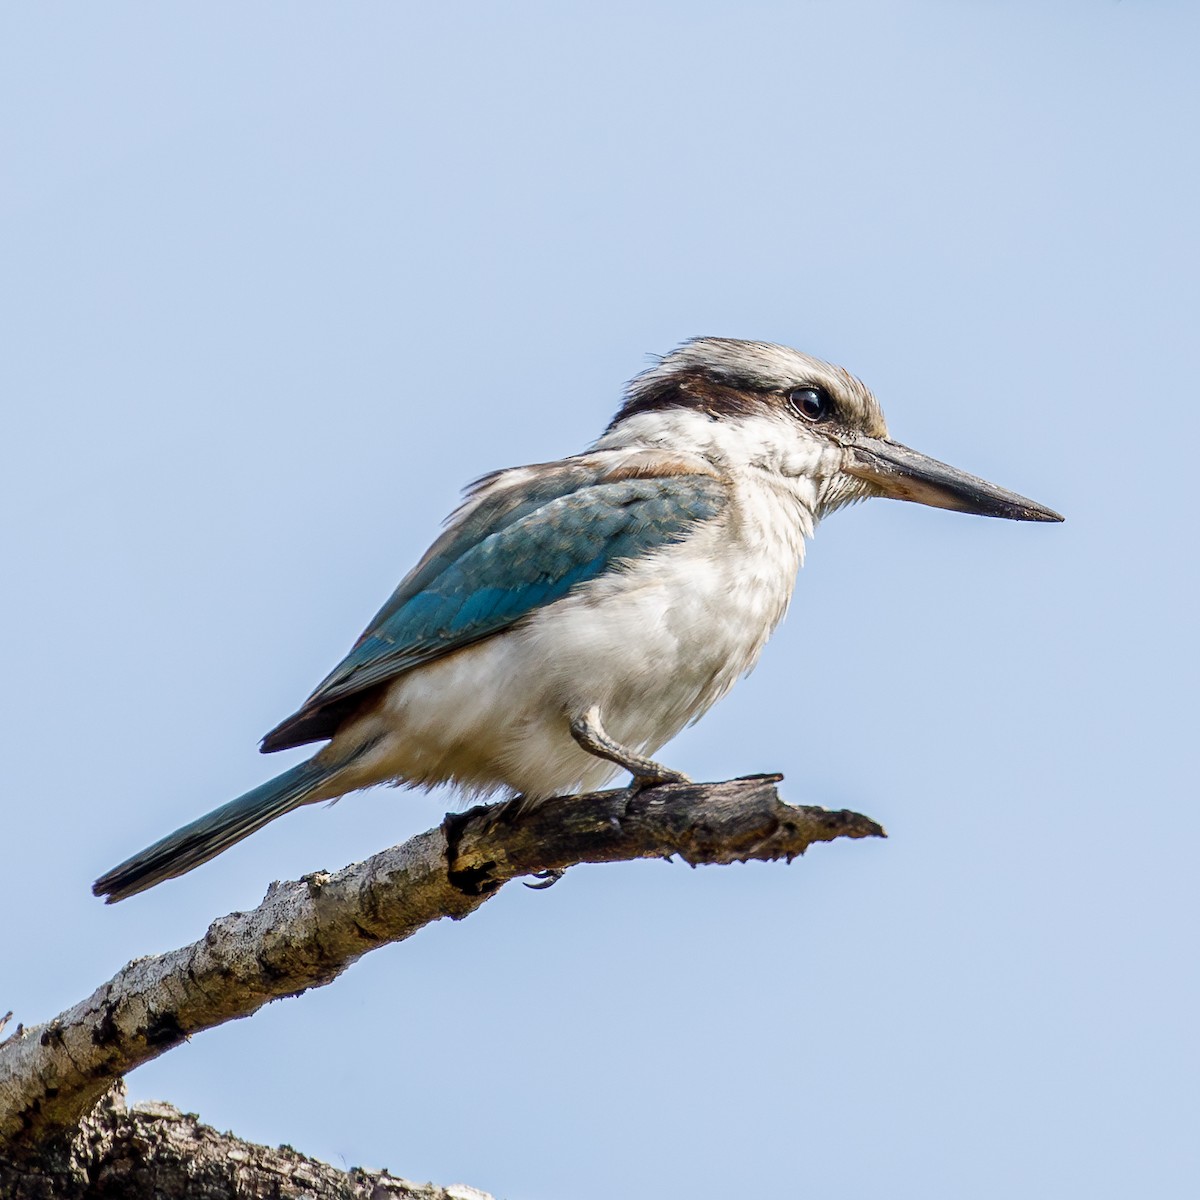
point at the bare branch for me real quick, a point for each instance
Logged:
(307, 932)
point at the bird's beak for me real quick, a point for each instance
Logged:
(903, 474)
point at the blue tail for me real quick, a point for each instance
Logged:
(205, 838)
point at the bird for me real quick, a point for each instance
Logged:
(574, 616)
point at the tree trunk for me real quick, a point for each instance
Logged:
(155, 1152)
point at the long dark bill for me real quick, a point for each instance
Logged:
(904, 474)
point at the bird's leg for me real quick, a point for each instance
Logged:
(589, 733)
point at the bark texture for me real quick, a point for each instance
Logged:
(305, 933)
(155, 1152)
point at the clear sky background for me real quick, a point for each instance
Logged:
(277, 279)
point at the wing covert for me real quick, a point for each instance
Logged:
(510, 554)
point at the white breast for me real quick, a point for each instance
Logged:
(654, 645)
(657, 644)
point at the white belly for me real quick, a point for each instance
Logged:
(654, 645)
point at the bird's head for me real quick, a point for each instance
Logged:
(758, 404)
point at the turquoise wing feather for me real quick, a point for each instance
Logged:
(511, 554)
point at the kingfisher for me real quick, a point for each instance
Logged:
(574, 616)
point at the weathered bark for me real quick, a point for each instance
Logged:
(155, 1152)
(305, 933)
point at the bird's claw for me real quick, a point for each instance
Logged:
(641, 783)
(545, 879)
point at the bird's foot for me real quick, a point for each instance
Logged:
(643, 781)
(643, 778)
(546, 879)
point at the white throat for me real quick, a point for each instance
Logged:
(768, 449)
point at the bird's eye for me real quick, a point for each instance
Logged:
(812, 403)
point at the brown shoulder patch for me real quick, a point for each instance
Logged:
(661, 466)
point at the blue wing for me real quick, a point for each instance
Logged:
(515, 550)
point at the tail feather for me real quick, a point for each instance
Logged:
(205, 838)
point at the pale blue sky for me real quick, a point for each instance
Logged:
(279, 278)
